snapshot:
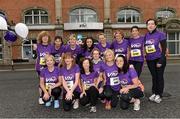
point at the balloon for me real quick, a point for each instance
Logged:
(10, 36)
(2, 15)
(21, 30)
(3, 23)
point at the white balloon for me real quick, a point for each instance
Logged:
(22, 30)
(3, 24)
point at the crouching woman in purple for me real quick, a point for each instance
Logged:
(50, 82)
(89, 84)
(131, 87)
(70, 74)
(110, 90)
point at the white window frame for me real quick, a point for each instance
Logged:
(176, 41)
(27, 45)
(32, 15)
(124, 13)
(165, 14)
(84, 15)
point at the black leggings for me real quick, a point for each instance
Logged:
(56, 92)
(157, 76)
(110, 95)
(138, 66)
(126, 98)
(90, 97)
(67, 104)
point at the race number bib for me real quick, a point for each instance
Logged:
(114, 81)
(150, 49)
(70, 84)
(48, 85)
(135, 53)
(42, 61)
(87, 86)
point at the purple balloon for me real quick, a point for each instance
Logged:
(10, 36)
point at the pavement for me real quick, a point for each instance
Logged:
(19, 98)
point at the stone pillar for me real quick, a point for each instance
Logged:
(107, 11)
(58, 13)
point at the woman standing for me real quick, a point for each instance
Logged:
(131, 88)
(70, 74)
(58, 49)
(50, 82)
(120, 45)
(89, 85)
(136, 45)
(155, 47)
(40, 50)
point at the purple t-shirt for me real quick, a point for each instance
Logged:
(42, 50)
(101, 48)
(50, 78)
(136, 49)
(152, 41)
(87, 53)
(89, 79)
(112, 77)
(57, 52)
(69, 75)
(126, 79)
(97, 66)
(77, 51)
(120, 48)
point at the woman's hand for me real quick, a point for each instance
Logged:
(69, 95)
(124, 90)
(100, 90)
(46, 96)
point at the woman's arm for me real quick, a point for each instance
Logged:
(77, 76)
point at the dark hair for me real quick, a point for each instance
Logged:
(85, 47)
(59, 37)
(125, 67)
(90, 66)
(155, 22)
(134, 27)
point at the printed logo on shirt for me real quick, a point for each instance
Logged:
(112, 74)
(124, 82)
(70, 84)
(48, 85)
(69, 77)
(119, 50)
(114, 81)
(51, 79)
(136, 45)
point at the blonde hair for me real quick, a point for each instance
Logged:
(101, 34)
(49, 56)
(42, 34)
(109, 51)
(72, 36)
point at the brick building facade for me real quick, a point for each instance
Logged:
(86, 18)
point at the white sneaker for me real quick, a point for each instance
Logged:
(93, 109)
(41, 102)
(76, 104)
(157, 99)
(152, 97)
(137, 105)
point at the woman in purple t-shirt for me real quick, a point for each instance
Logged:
(40, 50)
(131, 87)
(111, 84)
(155, 47)
(88, 47)
(58, 49)
(89, 85)
(50, 82)
(136, 45)
(120, 45)
(70, 74)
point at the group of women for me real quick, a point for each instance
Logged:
(104, 71)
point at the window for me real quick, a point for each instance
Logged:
(27, 48)
(173, 43)
(1, 49)
(83, 15)
(165, 14)
(36, 16)
(128, 16)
